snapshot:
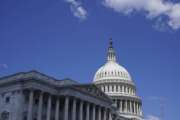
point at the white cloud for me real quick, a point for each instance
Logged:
(152, 117)
(77, 9)
(174, 16)
(4, 66)
(151, 8)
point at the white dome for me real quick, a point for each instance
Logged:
(112, 70)
(115, 81)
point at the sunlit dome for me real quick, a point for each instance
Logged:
(115, 81)
(111, 69)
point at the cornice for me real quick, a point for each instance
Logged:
(125, 97)
(122, 81)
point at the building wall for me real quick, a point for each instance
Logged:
(28, 96)
(11, 105)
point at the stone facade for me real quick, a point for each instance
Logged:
(35, 96)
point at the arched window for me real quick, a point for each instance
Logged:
(5, 115)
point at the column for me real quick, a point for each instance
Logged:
(141, 109)
(81, 110)
(110, 88)
(134, 107)
(99, 113)
(49, 108)
(137, 108)
(128, 103)
(115, 100)
(66, 108)
(74, 110)
(94, 112)
(131, 91)
(106, 88)
(104, 118)
(115, 88)
(110, 117)
(57, 109)
(40, 106)
(122, 88)
(125, 105)
(119, 89)
(130, 106)
(121, 106)
(30, 106)
(87, 111)
(103, 88)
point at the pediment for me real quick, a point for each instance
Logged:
(27, 75)
(37, 76)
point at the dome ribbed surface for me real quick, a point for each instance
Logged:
(112, 70)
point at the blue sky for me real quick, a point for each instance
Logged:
(70, 39)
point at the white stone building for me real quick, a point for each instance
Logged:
(116, 82)
(36, 96)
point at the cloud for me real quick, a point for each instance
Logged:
(152, 117)
(152, 9)
(77, 9)
(4, 66)
(174, 16)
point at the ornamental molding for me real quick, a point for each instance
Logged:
(133, 98)
(115, 81)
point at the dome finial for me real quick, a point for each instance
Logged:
(111, 53)
(110, 42)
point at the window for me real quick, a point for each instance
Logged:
(7, 99)
(24, 115)
(36, 101)
(25, 118)
(117, 86)
(5, 116)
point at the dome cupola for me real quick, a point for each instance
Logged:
(111, 69)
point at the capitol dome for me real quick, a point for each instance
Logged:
(111, 70)
(115, 81)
